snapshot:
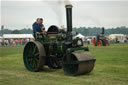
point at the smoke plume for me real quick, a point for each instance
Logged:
(57, 7)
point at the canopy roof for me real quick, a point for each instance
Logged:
(80, 36)
(18, 36)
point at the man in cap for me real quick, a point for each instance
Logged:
(38, 26)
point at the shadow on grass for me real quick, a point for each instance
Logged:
(46, 69)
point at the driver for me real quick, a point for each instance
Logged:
(38, 26)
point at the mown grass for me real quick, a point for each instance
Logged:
(111, 68)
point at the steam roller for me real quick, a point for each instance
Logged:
(100, 39)
(57, 49)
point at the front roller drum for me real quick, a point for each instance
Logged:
(78, 63)
(34, 56)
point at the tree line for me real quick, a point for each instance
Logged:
(86, 31)
(22, 31)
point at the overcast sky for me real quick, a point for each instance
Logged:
(107, 13)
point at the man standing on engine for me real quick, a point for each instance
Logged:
(38, 26)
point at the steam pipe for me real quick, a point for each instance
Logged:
(102, 30)
(69, 17)
(69, 21)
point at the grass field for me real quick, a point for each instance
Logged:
(111, 68)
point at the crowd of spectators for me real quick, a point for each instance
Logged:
(14, 42)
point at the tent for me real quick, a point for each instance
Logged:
(118, 37)
(80, 36)
(14, 36)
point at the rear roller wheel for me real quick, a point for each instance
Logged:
(34, 56)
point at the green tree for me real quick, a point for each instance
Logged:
(15, 32)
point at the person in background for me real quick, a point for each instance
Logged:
(27, 40)
(15, 42)
(11, 42)
(6, 42)
(0, 42)
(23, 41)
(20, 41)
(38, 26)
